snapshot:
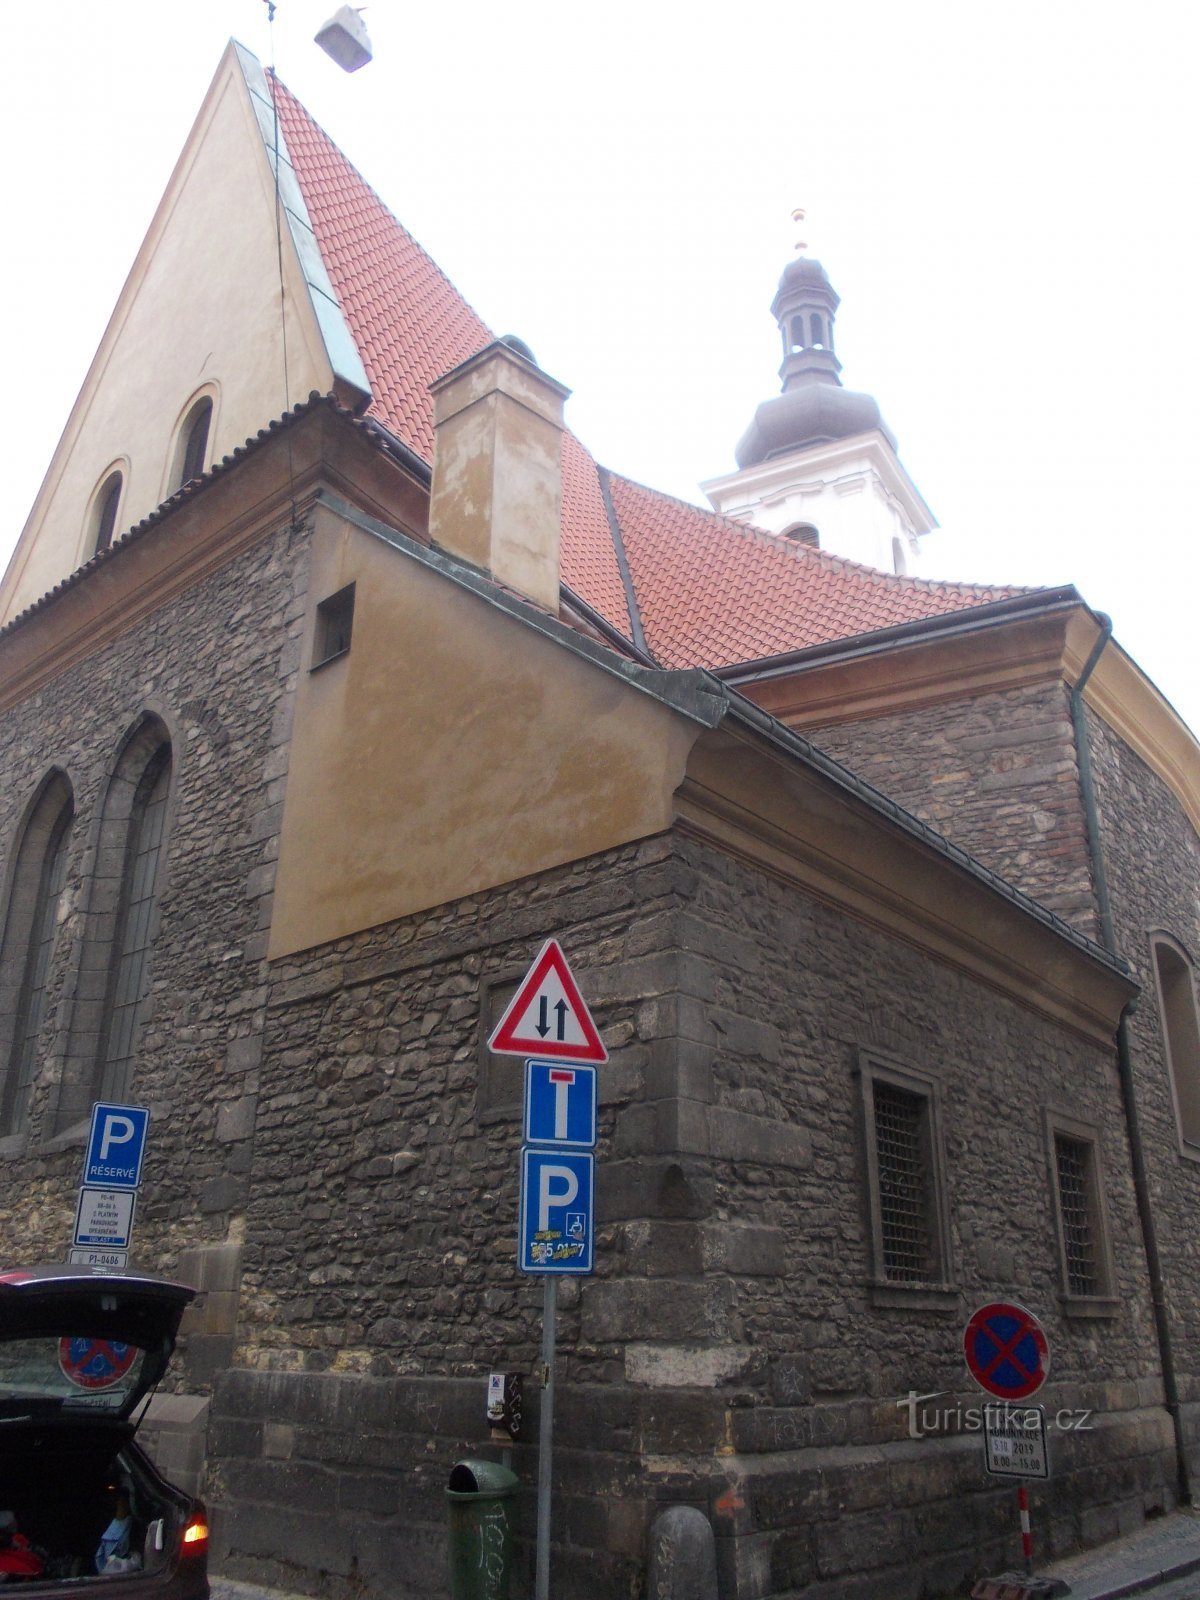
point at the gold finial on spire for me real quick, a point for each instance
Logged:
(798, 219)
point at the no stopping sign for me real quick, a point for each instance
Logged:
(1006, 1350)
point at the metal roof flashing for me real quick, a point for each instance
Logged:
(340, 348)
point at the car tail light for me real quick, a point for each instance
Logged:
(195, 1534)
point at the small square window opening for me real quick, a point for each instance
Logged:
(335, 622)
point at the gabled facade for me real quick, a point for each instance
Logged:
(305, 760)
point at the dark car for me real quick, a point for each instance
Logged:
(80, 1352)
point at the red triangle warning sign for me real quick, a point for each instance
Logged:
(547, 1017)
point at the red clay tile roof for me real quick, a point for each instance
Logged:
(408, 320)
(411, 325)
(709, 592)
(713, 592)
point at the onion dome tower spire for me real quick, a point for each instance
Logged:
(811, 451)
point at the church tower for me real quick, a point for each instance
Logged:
(818, 463)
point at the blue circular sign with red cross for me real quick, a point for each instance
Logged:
(1006, 1350)
(95, 1363)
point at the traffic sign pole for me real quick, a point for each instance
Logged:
(1026, 1534)
(548, 1016)
(545, 1440)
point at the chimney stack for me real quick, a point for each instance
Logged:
(497, 470)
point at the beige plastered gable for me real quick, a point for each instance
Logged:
(199, 313)
(451, 748)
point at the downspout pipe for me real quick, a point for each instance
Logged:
(1137, 1149)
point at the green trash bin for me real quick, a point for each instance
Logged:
(481, 1502)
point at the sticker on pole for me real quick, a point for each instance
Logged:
(547, 1015)
(1006, 1351)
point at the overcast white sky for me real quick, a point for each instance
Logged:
(1004, 197)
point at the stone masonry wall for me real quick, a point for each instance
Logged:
(823, 1485)
(998, 775)
(731, 1350)
(216, 666)
(1152, 856)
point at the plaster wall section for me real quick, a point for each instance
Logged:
(998, 775)
(449, 750)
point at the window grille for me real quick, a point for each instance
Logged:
(905, 1188)
(1075, 1205)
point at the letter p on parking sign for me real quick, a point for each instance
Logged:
(116, 1147)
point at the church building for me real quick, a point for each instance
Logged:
(322, 708)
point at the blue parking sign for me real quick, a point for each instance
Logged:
(116, 1147)
(560, 1104)
(556, 1211)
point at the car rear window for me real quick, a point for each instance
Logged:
(76, 1373)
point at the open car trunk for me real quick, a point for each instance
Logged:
(80, 1503)
(64, 1490)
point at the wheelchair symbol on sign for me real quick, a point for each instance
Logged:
(576, 1225)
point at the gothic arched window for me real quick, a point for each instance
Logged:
(129, 961)
(191, 449)
(37, 885)
(1181, 1031)
(105, 506)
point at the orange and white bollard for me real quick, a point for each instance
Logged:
(1026, 1533)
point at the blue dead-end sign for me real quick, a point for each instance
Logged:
(116, 1147)
(556, 1225)
(560, 1104)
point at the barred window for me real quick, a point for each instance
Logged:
(1082, 1232)
(1079, 1245)
(904, 1165)
(905, 1185)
